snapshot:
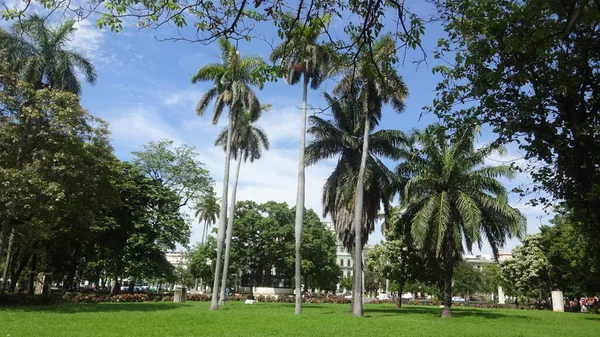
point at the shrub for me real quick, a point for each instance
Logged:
(128, 298)
(198, 297)
(85, 299)
(338, 300)
(22, 299)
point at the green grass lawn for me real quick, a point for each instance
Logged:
(270, 319)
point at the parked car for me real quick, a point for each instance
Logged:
(458, 299)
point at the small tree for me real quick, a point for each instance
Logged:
(527, 271)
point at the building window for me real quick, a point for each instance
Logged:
(349, 263)
(341, 262)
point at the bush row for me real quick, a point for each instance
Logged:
(23, 299)
(100, 298)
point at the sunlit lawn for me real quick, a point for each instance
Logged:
(269, 319)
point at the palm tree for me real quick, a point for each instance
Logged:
(451, 198)
(39, 52)
(207, 210)
(343, 137)
(305, 59)
(232, 79)
(247, 143)
(373, 82)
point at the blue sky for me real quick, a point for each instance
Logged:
(144, 92)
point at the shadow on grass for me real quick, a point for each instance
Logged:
(98, 307)
(436, 312)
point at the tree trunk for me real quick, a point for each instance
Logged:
(18, 271)
(229, 231)
(68, 284)
(214, 304)
(357, 223)
(4, 230)
(131, 288)
(300, 198)
(114, 286)
(32, 271)
(448, 273)
(7, 264)
(401, 282)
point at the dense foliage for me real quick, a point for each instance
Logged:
(263, 251)
(542, 94)
(70, 208)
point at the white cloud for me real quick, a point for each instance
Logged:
(88, 39)
(140, 125)
(185, 97)
(282, 124)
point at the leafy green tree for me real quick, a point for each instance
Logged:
(346, 282)
(467, 279)
(405, 262)
(136, 234)
(573, 263)
(541, 94)
(207, 209)
(57, 167)
(527, 271)
(247, 143)
(177, 169)
(319, 267)
(452, 198)
(263, 242)
(491, 278)
(308, 61)
(39, 52)
(202, 259)
(232, 80)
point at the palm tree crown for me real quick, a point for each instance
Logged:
(451, 197)
(374, 81)
(342, 137)
(303, 56)
(247, 141)
(232, 79)
(207, 211)
(40, 53)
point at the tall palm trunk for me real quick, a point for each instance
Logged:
(229, 231)
(204, 232)
(214, 304)
(357, 310)
(300, 198)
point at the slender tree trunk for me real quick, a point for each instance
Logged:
(300, 199)
(229, 231)
(32, 271)
(23, 260)
(4, 230)
(7, 264)
(357, 224)
(214, 304)
(114, 285)
(131, 288)
(401, 282)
